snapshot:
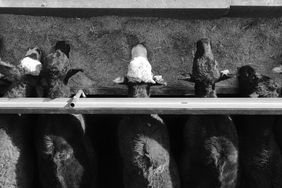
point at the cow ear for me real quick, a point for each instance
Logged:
(188, 78)
(121, 80)
(34, 53)
(225, 75)
(10, 71)
(70, 73)
(159, 80)
(277, 70)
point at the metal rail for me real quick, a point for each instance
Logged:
(142, 106)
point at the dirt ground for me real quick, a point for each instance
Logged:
(99, 45)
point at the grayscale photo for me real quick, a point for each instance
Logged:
(140, 94)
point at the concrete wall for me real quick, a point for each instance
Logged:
(183, 4)
(117, 3)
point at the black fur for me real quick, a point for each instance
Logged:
(65, 154)
(144, 146)
(210, 154)
(17, 156)
(260, 159)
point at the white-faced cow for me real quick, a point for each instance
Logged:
(16, 153)
(143, 139)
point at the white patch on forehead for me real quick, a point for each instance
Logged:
(31, 66)
(141, 69)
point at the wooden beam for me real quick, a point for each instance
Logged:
(143, 4)
(258, 106)
(167, 91)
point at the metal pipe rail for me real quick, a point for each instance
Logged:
(251, 106)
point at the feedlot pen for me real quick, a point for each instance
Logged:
(242, 33)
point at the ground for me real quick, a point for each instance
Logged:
(99, 46)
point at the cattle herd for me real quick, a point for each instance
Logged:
(217, 151)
